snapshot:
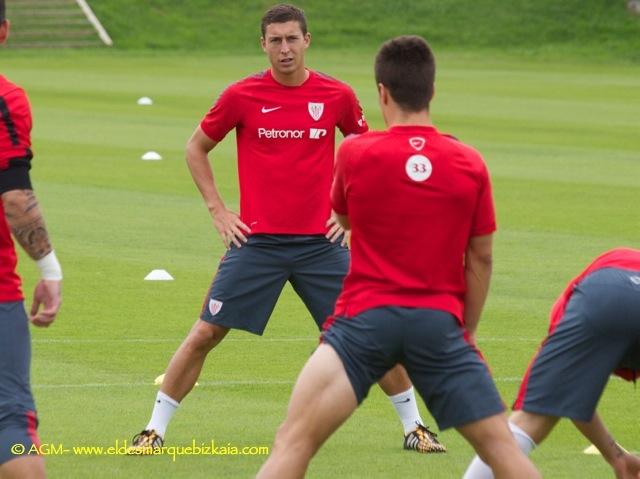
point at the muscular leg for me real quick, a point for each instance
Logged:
(322, 400)
(186, 363)
(528, 430)
(180, 377)
(15, 394)
(494, 443)
(24, 467)
(396, 381)
(536, 426)
(318, 283)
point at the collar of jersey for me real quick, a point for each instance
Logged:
(412, 128)
(270, 75)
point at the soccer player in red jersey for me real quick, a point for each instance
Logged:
(20, 214)
(285, 120)
(594, 332)
(420, 209)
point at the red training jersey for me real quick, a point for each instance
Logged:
(414, 197)
(621, 258)
(285, 139)
(15, 145)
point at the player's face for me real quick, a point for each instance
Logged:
(285, 44)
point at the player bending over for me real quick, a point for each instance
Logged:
(594, 332)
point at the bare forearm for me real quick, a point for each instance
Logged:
(597, 433)
(478, 266)
(26, 222)
(231, 229)
(477, 291)
(197, 156)
(202, 175)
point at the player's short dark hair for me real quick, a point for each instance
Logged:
(282, 13)
(406, 67)
(2, 11)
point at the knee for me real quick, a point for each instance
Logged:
(289, 441)
(283, 437)
(495, 449)
(24, 467)
(204, 337)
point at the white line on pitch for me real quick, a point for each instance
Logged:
(240, 340)
(140, 383)
(201, 383)
(163, 340)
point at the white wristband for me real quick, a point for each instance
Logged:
(50, 267)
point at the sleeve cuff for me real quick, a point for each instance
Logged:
(16, 177)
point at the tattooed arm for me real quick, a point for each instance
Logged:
(27, 225)
(26, 222)
(625, 465)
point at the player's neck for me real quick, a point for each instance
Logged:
(398, 117)
(296, 78)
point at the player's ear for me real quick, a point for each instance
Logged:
(4, 31)
(263, 44)
(307, 39)
(383, 94)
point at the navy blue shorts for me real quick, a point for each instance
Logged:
(18, 435)
(599, 332)
(250, 279)
(448, 372)
(18, 421)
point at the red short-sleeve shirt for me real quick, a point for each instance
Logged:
(15, 152)
(413, 197)
(286, 140)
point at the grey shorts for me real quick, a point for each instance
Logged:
(18, 421)
(447, 371)
(250, 279)
(599, 332)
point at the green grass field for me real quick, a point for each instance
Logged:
(562, 141)
(589, 29)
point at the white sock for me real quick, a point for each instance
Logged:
(479, 470)
(407, 408)
(163, 411)
(525, 443)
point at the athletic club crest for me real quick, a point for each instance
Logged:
(214, 306)
(417, 142)
(315, 110)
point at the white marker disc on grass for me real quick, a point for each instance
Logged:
(151, 156)
(158, 275)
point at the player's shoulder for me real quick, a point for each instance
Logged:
(254, 78)
(8, 88)
(455, 143)
(327, 81)
(248, 83)
(363, 142)
(461, 149)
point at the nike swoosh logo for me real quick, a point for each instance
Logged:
(267, 110)
(401, 402)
